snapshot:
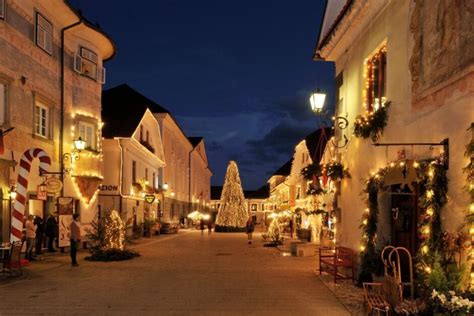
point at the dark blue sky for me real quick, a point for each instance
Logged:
(238, 73)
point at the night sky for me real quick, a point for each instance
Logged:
(238, 73)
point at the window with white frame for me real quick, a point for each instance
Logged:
(3, 103)
(88, 134)
(44, 33)
(89, 63)
(3, 9)
(42, 119)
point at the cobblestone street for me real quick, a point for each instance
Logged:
(176, 274)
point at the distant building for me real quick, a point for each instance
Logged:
(133, 161)
(177, 178)
(51, 95)
(200, 175)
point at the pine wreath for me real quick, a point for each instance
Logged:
(372, 125)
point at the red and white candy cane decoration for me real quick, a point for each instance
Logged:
(22, 187)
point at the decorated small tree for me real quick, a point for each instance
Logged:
(107, 239)
(233, 214)
(114, 231)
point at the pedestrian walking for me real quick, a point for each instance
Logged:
(202, 226)
(250, 227)
(39, 223)
(30, 237)
(75, 238)
(209, 227)
(51, 231)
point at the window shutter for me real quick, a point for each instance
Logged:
(78, 63)
(101, 75)
(2, 9)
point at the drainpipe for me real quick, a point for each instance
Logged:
(189, 179)
(61, 128)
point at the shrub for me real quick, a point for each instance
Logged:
(112, 255)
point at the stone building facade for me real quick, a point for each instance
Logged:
(200, 176)
(51, 75)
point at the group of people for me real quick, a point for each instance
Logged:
(37, 229)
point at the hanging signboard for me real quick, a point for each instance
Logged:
(149, 198)
(41, 193)
(53, 185)
(65, 211)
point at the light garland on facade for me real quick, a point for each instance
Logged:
(432, 175)
(469, 220)
(90, 155)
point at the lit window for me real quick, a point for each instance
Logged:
(87, 134)
(41, 120)
(376, 76)
(89, 63)
(44, 33)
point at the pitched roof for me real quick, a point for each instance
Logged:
(123, 109)
(284, 170)
(334, 13)
(316, 142)
(195, 140)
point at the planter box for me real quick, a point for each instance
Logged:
(304, 234)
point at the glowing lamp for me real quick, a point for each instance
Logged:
(317, 101)
(79, 144)
(12, 193)
(165, 186)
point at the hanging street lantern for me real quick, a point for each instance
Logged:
(317, 101)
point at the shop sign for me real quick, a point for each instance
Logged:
(108, 187)
(53, 185)
(149, 198)
(41, 193)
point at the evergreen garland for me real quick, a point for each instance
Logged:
(469, 219)
(432, 177)
(372, 125)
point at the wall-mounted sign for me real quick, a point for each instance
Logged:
(41, 193)
(53, 185)
(108, 187)
(149, 198)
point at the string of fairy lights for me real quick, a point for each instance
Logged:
(432, 175)
(90, 155)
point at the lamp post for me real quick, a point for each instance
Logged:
(317, 100)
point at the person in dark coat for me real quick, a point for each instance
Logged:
(51, 231)
(250, 228)
(202, 226)
(39, 223)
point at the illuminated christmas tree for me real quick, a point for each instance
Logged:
(233, 211)
(114, 231)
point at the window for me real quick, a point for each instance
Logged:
(3, 103)
(44, 34)
(141, 133)
(148, 137)
(87, 134)
(146, 174)
(254, 207)
(41, 120)
(375, 80)
(154, 180)
(298, 192)
(134, 171)
(89, 63)
(2, 9)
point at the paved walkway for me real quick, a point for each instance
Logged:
(181, 274)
